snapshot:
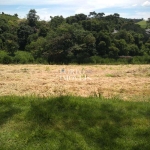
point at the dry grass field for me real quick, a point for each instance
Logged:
(124, 81)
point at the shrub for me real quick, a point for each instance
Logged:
(41, 61)
(94, 60)
(5, 58)
(23, 57)
(141, 59)
(2, 55)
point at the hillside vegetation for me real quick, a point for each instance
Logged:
(76, 39)
(142, 23)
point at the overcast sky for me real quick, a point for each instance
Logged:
(47, 8)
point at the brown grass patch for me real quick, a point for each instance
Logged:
(125, 81)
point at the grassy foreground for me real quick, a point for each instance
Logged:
(73, 123)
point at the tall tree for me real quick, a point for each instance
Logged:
(92, 14)
(56, 21)
(100, 15)
(32, 18)
(116, 15)
(23, 33)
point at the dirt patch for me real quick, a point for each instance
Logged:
(125, 81)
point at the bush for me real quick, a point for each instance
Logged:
(141, 59)
(122, 61)
(5, 58)
(23, 57)
(146, 58)
(2, 55)
(41, 61)
(94, 60)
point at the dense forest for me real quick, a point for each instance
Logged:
(93, 38)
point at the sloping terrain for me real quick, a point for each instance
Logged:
(142, 24)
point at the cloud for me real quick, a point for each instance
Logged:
(44, 13)
(46, 8)
(31, 2)
(134, 5)
(82, 3)
(75, 6)
(138, 14)
(146, 4)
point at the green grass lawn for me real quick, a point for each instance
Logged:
(73, 123)
(142, 24)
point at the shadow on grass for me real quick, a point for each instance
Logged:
(7, 111)
(99, 125)
(143, 134)
(144, 143)
(74, 123)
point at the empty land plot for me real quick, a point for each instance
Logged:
(124, 81)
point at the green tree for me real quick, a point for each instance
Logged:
(11, 47)
(138, 38)
(56, 21)
(80, 17)
(100, 15)
(127, 36)
(133, 50)
(16, 15)
(103, 42)
(23, 33)
(76, 19)
(113, 52)
(101, 48)
(37, 47)
(43, 31)
(116, 15)
(147, 48)
(59, 47)
(32, 17)
(32, 38)
(95, 25)
(71, 20)
(92, 14)
(3, 26)
(90, 40)
(122, 46)
(1, 44)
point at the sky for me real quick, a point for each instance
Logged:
(46, 8)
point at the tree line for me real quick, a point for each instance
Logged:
(93, 38)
